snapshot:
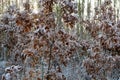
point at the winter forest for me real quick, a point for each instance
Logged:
(59, 39)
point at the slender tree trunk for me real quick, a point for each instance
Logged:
(2, 5)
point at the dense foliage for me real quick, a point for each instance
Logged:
(40, 43)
